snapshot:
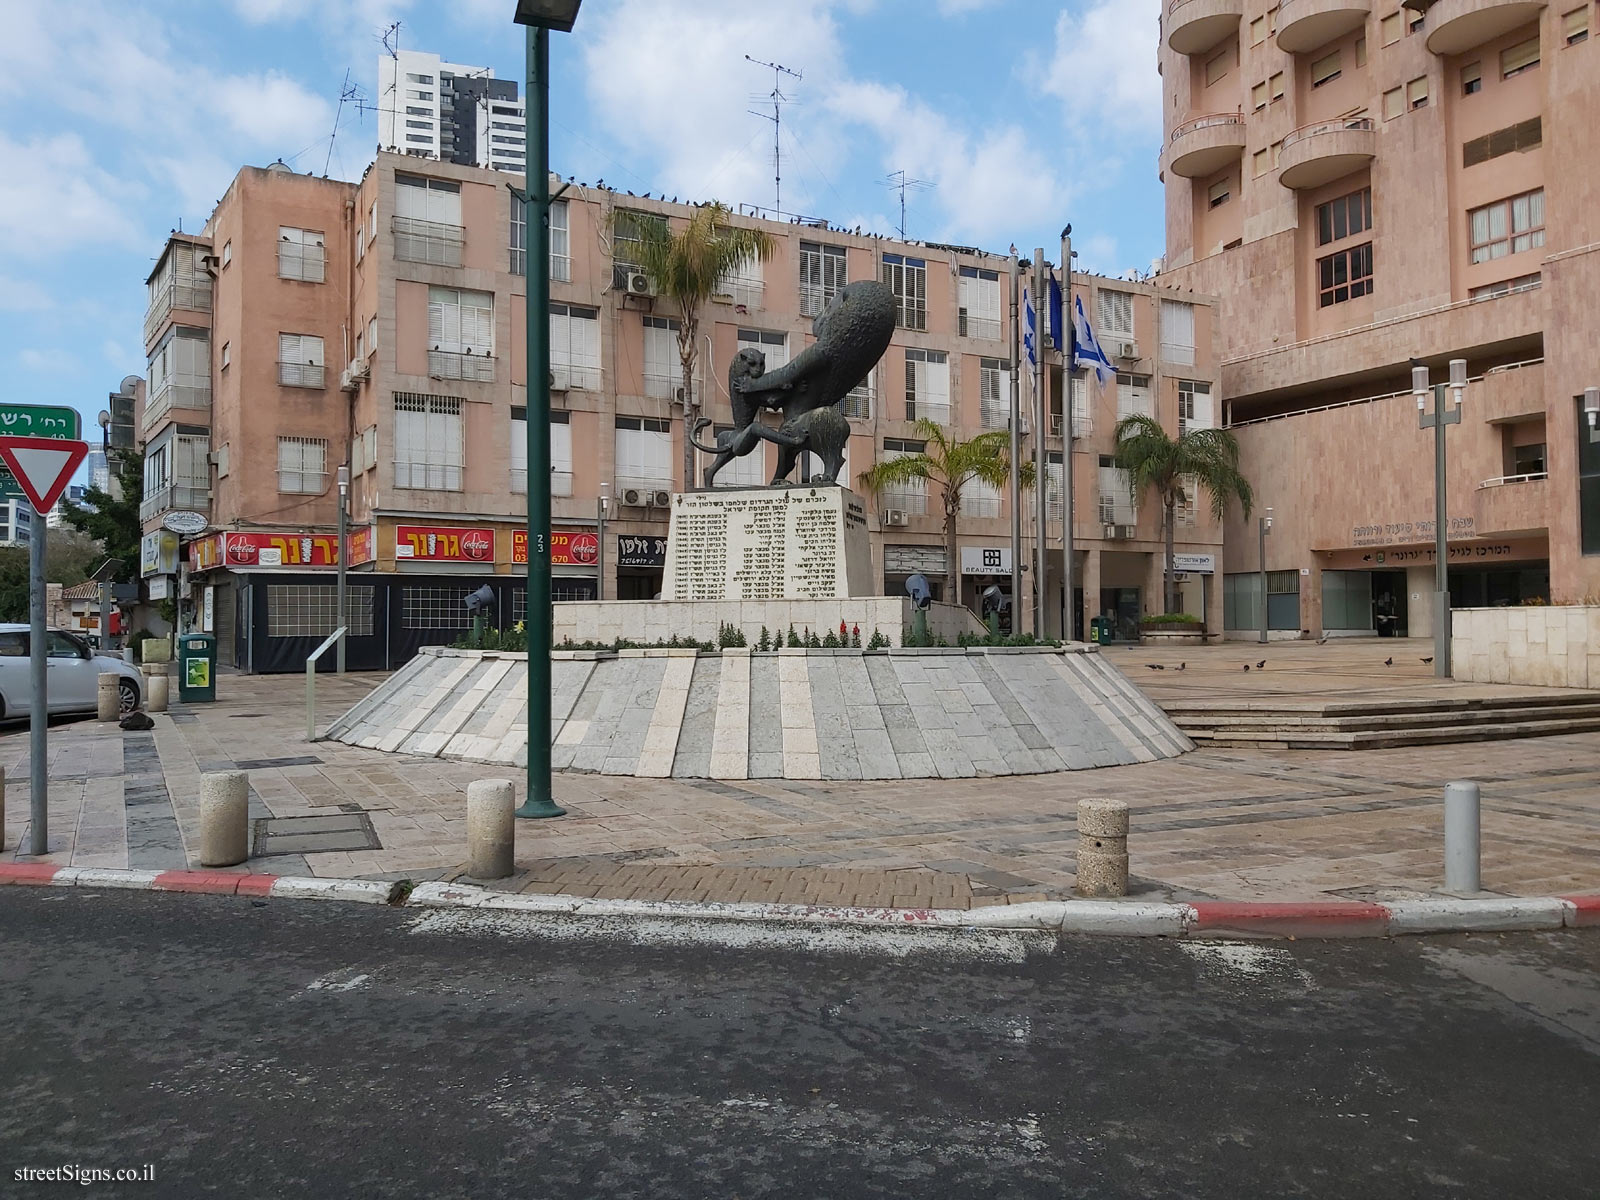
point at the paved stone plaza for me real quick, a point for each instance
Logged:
(1233, 824)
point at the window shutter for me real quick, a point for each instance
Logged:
(1520, 57)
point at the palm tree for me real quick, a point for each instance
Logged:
(952, 465)
(686, 267)
(1152, 459)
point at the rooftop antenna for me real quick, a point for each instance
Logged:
(391, 46)
(900, 182)
(778, 99)
(350, 93)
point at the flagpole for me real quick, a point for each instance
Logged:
(1016, 448)
(1069, 363)
(1039, 310)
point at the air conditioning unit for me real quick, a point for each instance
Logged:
(660, 498)
(639, 284)
(895, 516)
(634, 497)
(1113, 533)
(347, 380)
(1127, 349)
(560, 379)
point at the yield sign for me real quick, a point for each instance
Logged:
(43, 466)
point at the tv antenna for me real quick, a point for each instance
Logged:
(391, 46)
(900, 182)
(350, 93)
(778, 100)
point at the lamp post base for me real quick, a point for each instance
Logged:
(533, 809)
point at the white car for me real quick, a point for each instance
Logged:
(72, 675)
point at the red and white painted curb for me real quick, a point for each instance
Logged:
(1129, 918)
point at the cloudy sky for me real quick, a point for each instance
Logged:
(123, 119)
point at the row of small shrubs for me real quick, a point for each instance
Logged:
(1158, 619)
(729, 636)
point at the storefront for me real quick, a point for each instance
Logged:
(982, 568)
(641, 562)
(900, 563)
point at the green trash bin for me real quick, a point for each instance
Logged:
(1097, 630)
(197, 667)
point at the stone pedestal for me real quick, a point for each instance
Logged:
(787, 543)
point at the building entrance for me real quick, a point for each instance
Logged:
(1389, 603)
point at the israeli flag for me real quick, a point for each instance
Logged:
(1029, 338)
(1089, 352)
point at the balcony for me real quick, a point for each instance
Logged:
(305, 375)
(1512, 504)
(189, 397)
(451, 364)
(1459, 25)
(177, 496)
(1305, 25)
(1195, 26)
(857, 403)
(1205, 145)
(195, 297)
(432, 242)
(1317, 154)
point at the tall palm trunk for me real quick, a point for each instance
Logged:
(952, 568)
(691, 406)
(1169, 587)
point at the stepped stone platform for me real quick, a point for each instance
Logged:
(785, 714)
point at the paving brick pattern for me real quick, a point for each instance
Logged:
(1237, 824)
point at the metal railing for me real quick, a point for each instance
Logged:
(177, 495)
(1502, 480)
(1205, 122)
(306, 375)
(174, 395)
(454, 364)
(195, 297)
(311, 680)
(1319, 127)
(1304, 412)
(433, 242)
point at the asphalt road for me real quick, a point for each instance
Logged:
(294, 1049)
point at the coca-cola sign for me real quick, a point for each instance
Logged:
(568, 547)
(440, 543)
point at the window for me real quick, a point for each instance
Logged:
(312, 610)
(575, 346)
(1472, 79)
(1217, 65)
(1415, 23)
(1258, 31)
(419, 125)
(1260, 163)
(1219, 193)
(1177, 332)
(979, 499)
(1187, 507)
(1116, 314)
(411, 78)
(1275, 85)
(422, 138)
(744, 285)
(227, 355)
(1528, 460)
(1258, 96)
(372, 335)
(413, 110)
(1506, 286)
(418, 94)
(1524, 56)
(978, 303)
(748, 470)
(372, 221)
(1082, 413)
(560, 243)
(424, 607)
(560, 451)
(1345, 275)
(662, 366)
(908, 280)
(822, 274)
(1575, 26)
(1116, 495)
(627, 230)
(1344, 217)
(1361, 52)
(224, 455)
(994, 404)
(1325, 69)
(1194, 406)
(460, 334)
(1394, 103)
(1133, 396)
(927, 385)
(227, 252)
(429, 448)
(360, 248)
(301, 254)
(1417, 92)
(1507, 226)
(644, 452)
(179, 374)
(911, 496)
(1526, 135)
(300, 361)
(774, 347)
(427, 220)
(519, 237)
(1390, 29)
(1272, 19)
(857, 402)
(302, 463)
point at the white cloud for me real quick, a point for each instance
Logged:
(49, 361)
(55, 196)
(23, 295)
(1103, 66)
(960, 8)
(272, 109)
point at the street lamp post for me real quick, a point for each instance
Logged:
(539, 17)
(105, 584)
(1591, 409)
(1441, 416)
(341, 593)
(600, 511)
(1263, 527)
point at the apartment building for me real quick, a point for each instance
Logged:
(380, 325)
(435, 109)
(1363, 183)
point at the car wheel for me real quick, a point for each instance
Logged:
(127, 696)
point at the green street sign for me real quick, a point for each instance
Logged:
(34, 420)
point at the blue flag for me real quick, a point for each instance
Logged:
(1028, 326)
(1089, 352)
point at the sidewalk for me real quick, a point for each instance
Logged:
(1240, 825)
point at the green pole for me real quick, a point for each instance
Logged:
(538, 617)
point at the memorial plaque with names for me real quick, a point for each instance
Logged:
(799, 543)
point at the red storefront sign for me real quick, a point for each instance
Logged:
(363, 545)
(439, 543)
(239, 550)
(568, 547)
(205, 554)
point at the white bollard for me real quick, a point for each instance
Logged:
(1462, 838)
(491, 836)
(224, 818)
(1102, 847)
(156, 693)
(109, 697)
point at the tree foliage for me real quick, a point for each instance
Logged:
(113, 520)
(952, 465)
(1156, 461)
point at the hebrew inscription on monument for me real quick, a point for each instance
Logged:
(797, 543)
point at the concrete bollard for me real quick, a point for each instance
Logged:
(491, 837)
(3, 831)
(1462, 840)
(156, 693)
(1102, 847)
(224, 818)
(110, 698)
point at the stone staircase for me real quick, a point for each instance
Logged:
(1293, 724)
